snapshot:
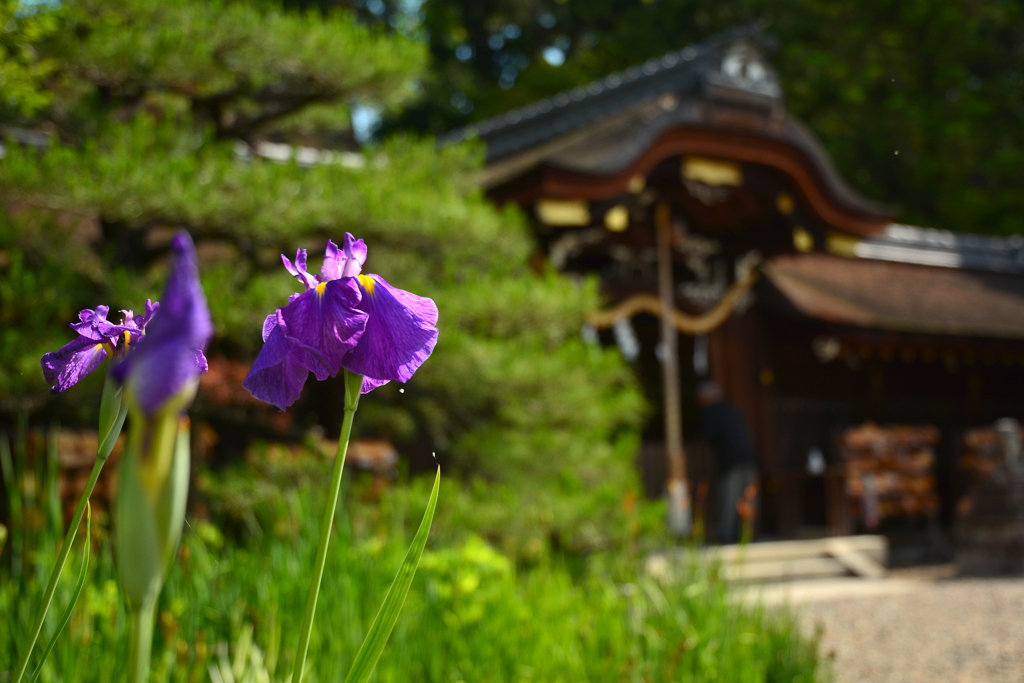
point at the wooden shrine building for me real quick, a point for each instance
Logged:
(709, 212)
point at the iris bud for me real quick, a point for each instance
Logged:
(152, 492)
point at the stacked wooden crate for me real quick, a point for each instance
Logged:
(889, 470)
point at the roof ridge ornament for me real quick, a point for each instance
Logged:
(743, 68)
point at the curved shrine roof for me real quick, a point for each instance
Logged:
(927, 300)
(716, 98)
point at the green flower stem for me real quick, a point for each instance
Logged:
(142, 642)
(112, 414)
(56, 572)
(353, 384)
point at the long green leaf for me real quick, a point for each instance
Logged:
(74, 595)
(380, 630)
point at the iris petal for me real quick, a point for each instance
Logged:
(355, 254)
(299, 269)
(91, 321)
(151, 308)
(269, 324)
(369, 384)
(400, 333)
(325, 320)
(334, 262)
(345, 262)
(115, 333)
(277, 375)
(97, 315)
(169, 355)
(67, 366)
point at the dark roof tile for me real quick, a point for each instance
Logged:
(539, 121)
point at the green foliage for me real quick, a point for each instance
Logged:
(22, 68)
(470, 615)
(529, 510)
(43, 279)
(240, 66)
(76, 592)
(380, 629)
(919, 103)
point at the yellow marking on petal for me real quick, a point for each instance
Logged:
(368, 283)
(127, 338)
(320, 287)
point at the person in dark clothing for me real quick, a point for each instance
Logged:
(729, 437)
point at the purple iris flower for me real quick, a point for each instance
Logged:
(98, 339)
(343, 319)
(171, 353)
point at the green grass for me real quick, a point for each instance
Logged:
(471, 616)
(233, 603)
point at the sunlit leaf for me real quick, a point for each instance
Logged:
(377, 637)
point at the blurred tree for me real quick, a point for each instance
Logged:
(22, 69)
(920, 103)
(157, 115)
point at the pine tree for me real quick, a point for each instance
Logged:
(154, 114)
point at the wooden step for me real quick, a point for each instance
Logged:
(784, 570)
(875, 547)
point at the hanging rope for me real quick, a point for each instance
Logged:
(687, 324)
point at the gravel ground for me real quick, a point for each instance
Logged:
(950, 630)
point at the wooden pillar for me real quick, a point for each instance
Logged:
(679, 519)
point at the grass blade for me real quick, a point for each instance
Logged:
(380, 630)
(74, 595)
(13, 484)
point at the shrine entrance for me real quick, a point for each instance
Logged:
(729, 248)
